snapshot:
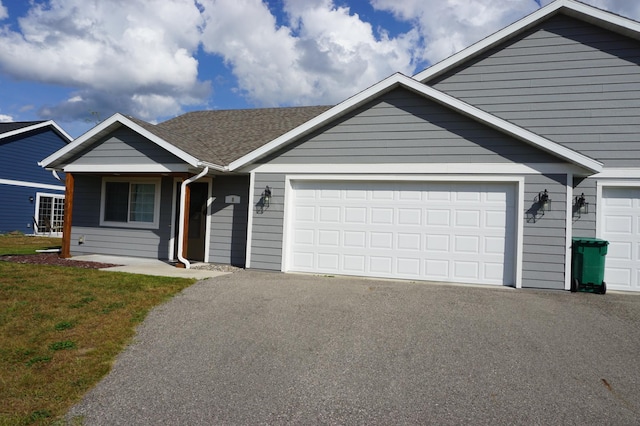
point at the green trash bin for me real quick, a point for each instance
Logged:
(587, 266)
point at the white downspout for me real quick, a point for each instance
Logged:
(183, 189)
(55, 175)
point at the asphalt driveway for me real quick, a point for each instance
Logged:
(271, 348)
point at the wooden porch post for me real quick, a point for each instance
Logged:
(68, 216)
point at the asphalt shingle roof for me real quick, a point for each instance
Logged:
(220, 137)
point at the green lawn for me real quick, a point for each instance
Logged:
(62, 327)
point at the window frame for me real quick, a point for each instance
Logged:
(129, 223)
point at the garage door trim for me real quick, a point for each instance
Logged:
(518, 181)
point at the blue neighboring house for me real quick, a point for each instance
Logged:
(32, 198)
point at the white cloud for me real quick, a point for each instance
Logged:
(448, 26)
(6, 118)
(4, 14)
(132, 51)
(323, 55)
(626, 8)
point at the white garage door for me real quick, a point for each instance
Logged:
(457, 232)
(621, 227)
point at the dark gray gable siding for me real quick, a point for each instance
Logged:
(124, 146)
(151, 243)
(228, 240)
(567, 80)
(402, 127)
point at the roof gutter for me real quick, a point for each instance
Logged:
(183, 197)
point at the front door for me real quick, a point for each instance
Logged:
(197, 220)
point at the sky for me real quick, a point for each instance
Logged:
(80, 61)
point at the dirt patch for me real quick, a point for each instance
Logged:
(54, 259)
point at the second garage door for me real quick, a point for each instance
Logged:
(456, 232)
(621, 227)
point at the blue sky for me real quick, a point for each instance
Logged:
(79, 61)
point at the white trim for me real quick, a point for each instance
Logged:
(618, 173)
(599, 210)
(286, 217)
(399, 80)
(31, 184)
(251, 212)
(573, 8)
(419, 168)
(137, 225)
(518, 181)
(125, 168)
(111, 124)
(520, 184)
(568, 233)
(51, 123)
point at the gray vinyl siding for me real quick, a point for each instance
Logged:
(402, 127)
(147, 243)
(228, 240)
(124, 146)
(574, 83)
(268, 223)
(584, 225)
(544, 242)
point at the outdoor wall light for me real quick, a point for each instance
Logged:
(580, 205)
(266, 196)
(544, 202)
(31, 199)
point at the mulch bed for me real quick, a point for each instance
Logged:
(54, 259)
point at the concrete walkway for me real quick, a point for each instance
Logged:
(155, 267)
(272, 348)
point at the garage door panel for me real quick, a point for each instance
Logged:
(467, 218)
(621, 227)
(432, 231)
(438, 217)
(463, 271)
(382, 265)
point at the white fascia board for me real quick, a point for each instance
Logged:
(618, 173)
(419, 168)
(342, 108)
(50, 123)
(504, 126)
(92, 135)
(126, 168)
(31, 184)
(573, 8)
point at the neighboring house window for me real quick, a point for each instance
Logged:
(131, 203)
(49, 214)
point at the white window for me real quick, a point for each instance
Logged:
(130, 202)
(49, 216)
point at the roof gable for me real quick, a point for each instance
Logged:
(11, 129)
(572, 8)
(116, 121)
(399, 80)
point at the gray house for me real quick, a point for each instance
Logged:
(479, 169)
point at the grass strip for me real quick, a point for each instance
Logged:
(60, 331)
